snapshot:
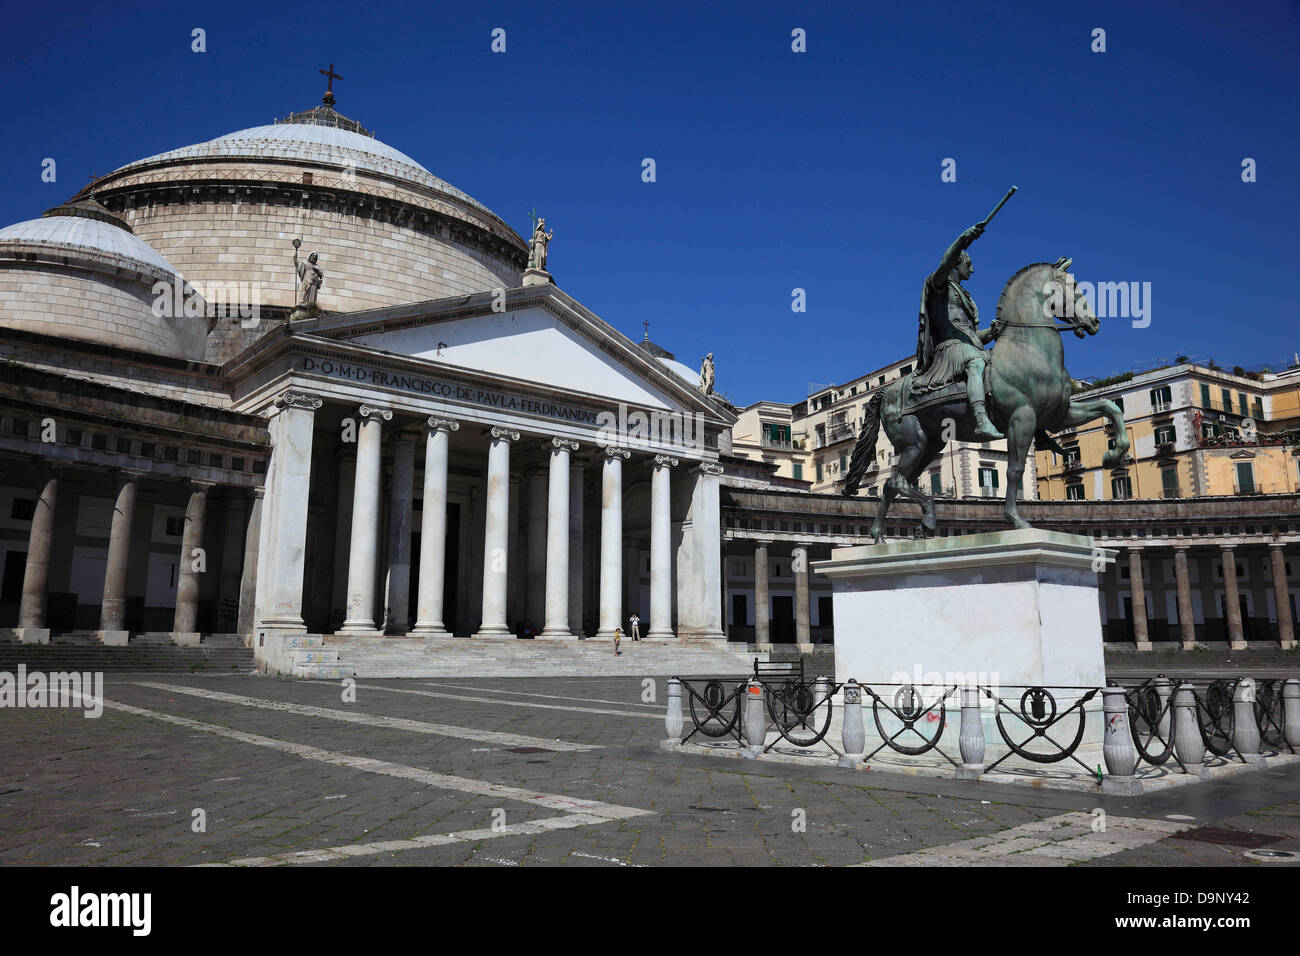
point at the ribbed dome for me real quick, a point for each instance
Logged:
(330, 145)
(75, 233)
(684, 372)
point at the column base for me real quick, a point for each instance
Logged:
(359, 629)
(557, 634)
(1238, 646)
(1143, 646)
(496, 633)
(113, 638)
(664, 634)
(1125, 786)
(186, 638)
(33, 635)
(429, 630)
(969, 771)
(1289, 645)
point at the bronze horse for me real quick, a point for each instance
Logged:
(1029, 396)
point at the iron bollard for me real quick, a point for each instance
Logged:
(1245, 727)
(970, 738)
(1117, 746)
(1291, 713)
(854, 735)
(755, 720)
(673, 717)
(1189, 747)
(1164, 691)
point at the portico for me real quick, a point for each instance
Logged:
(484, 471)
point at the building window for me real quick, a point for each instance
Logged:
(1227, 399)
(123, 445)
(72, 436)
(844, 462)
(1161, 398)
(1121, 487)
(1205, 395)
(1259, 407)
(99, 442)
(171, 453)
(1242, 405)
(1169, 481)
(236, 464)
(936, 483)
(175, 526)
(1071, 454)
(798, 471)
(1074, 492)
(1166, 435)
(147, 449)
(872, 490)
(905, 370)
(22, 509)
(214, 460)
(194, 456)
(819, 471)
(1119, 401)
(1245, 478)
(988, 477)
(259, 466)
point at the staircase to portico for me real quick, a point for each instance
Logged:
(509, 657)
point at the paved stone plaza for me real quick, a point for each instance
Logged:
(550, 771)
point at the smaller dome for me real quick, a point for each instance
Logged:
(687, 374)
(86, 227)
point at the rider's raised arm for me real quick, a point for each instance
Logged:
(949, 260)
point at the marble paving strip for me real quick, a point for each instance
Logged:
(337, 854)
(442, 781)
(515, 703)
(521, 693)
(1053, 841)
(373, 720)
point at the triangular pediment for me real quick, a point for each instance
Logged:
(532, 335)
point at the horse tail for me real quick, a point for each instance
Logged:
(864, 452)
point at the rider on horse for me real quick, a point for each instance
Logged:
(949, 344)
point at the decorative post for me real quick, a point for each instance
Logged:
(1164, 690)
(673, 718)
(854, 736)
(1117, 745)
(1189, 748)
(970, 737)
(755, 720)
(1291, 713)
(1245, 727)
(821, 693)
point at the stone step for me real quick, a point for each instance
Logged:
(320, 671)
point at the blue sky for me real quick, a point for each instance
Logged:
(775, 170)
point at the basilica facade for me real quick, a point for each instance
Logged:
(417, 435)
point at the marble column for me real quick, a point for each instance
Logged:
(1137, 588)
(36, 576)
(577, 476)
(248, 575)
(193, 564)
(661, 545)
(1232, 600)
(397, 617)
(112, 615)
(631, 581)
(363, 553)
(535, 578)
(762, 601)
(496, 535)
(707, 526)
(433, 530)
(1186, 615)
(557, 541)
(283, 537)
(1282, 598)
(518, 565)
(611, 541)
(802, 614)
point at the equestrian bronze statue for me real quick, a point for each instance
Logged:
(1020, 390)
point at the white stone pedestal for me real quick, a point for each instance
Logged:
(1004, 609)
(536, 277)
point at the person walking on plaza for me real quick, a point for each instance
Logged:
(618, 634)
(634, 626)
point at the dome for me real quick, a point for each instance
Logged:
(226, 212)
(687, 374)
(315, 143)
(77, 234)
(79, 273)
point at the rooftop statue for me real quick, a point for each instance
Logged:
(706, 375)
(537, 245)
(961, 392)
(312, 278)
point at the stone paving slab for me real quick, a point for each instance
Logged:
(121, 789)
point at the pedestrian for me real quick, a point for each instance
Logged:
(618, 634)
(634, 626)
